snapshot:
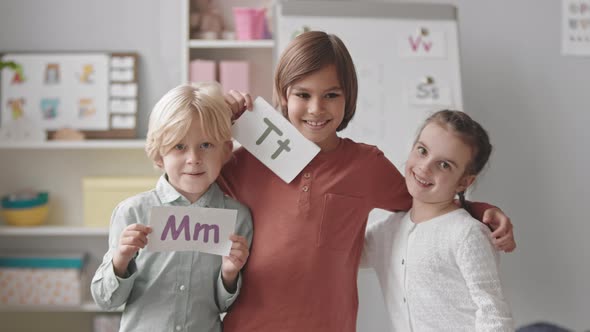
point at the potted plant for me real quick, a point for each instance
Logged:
(12, 65)
(9, 64)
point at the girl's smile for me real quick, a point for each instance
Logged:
(435, 170)
(421, 181)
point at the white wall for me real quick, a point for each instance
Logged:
(534, 102)
(151, 28)
(536, 105)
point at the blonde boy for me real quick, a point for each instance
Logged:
(189, 138)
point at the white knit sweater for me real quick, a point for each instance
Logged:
(438, 275)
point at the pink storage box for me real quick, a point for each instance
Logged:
(106, 323)
(32, 286)
(234, 75)
(202, 71)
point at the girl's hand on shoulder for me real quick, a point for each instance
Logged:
(502, 229)
(238, 102)
(232, 264)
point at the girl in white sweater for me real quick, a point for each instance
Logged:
(436, 264)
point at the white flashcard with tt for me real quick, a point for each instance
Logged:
(177, 228)
(273, 140)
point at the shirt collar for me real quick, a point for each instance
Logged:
(213, 197)
(331, 155)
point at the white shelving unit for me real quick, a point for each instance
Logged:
(198, 43)
(92, 241)
(52, 231)
(86, 144)
(58, 167)
(84, 307)
(258, 53)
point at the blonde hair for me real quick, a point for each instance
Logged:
(172, 115)
(306, 54)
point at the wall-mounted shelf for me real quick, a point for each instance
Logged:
(258, 54)
(201, 43)
(92, 241)
(52, 231)
(84, 307)
(86, 144)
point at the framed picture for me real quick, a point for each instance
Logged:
(95, 93)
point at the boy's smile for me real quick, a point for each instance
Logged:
(315, 107)
(316, 124)
(195, 162)
(195, 174)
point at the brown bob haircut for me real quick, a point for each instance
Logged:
(308, 53)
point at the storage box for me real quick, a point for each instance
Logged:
(106, 323)
(202, 71)
(41, 280)
(234, 75)
(103, 194)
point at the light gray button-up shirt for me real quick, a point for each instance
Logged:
(167, 291)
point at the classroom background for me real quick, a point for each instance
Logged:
(533, 100)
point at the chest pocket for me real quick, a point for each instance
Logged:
(343, 219)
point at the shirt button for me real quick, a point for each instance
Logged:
(404, 302)
(182, 287)
(305, 188)
(178, 328)
(307, 175)
(403, 261)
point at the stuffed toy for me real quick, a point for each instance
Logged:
(205, 21)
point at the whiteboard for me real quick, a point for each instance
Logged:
(407, 62)
(394, 63)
